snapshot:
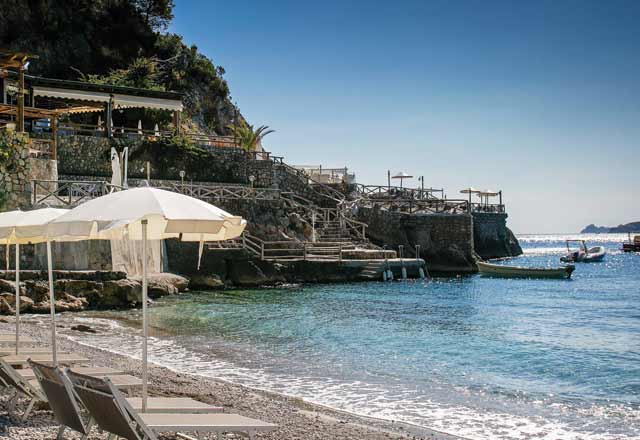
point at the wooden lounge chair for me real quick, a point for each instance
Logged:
(8, 351)
(7, 339)
(113, 414)
(23, 359)
(28, 373)
(20, 386)
(68, 408)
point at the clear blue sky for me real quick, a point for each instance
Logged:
(539, 99)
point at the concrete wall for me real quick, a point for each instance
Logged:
(446, 240)
(492, 238)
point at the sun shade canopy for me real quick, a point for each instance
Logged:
(27, 226)
(169, 215)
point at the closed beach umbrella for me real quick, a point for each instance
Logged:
(147, 214)
(21, 227)
(116, 174)
(139, 126)
(156, 130)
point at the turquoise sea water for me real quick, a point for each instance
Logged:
(479, 357)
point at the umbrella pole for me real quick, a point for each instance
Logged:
(17, 297)
(144, 316)
(52, 301)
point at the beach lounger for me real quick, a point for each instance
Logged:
(65, 359)
(67, 407)
(28, 373)
(12, 379)
(6, 351)
(114, 414)
(7, 339)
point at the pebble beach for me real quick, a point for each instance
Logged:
(296, 419)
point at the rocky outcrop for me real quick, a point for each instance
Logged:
(85, 290)
(445, 240)
(492, 238)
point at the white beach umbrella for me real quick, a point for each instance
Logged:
(156, 130)
(402, 175)
(470, 190)
(147, 214)
(139, 126)
(21, 227)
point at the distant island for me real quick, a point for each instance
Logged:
(629, 227)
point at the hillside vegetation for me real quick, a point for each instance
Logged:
(120, 42)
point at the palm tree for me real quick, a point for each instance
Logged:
(248, 137)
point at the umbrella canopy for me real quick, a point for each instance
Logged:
(17, 227)
(488, 193)
(470, 190)
(169, 215)
(142, 214)
(27, 226)
(402, 175)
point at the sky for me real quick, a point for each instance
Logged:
(538, 99)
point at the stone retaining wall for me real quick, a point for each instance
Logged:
(16, 176)
(446, 240)
(89, 156)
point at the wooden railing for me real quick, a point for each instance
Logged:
(65, 128)
(292, 250)
(488, 208)
(395, 192)
(68, 193)
(209, 192)
(411, 206)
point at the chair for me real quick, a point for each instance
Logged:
(112, 413)
(62, 401)
(21, 386)
(68, 408)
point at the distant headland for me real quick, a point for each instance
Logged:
(629, 227)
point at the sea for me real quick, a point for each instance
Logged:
(477, 357)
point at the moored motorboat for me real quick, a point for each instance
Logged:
(583, 254)
(502, 271)
(631, 245)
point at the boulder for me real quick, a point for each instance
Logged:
(38, 291)
(163, 284)
(25, 302)
(7, 286)
(205, 282)
(120, 293)
(84, 328)
(5, 308)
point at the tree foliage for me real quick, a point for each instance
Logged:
(248, 137)
(121, 42)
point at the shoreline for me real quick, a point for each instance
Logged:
(295, 417)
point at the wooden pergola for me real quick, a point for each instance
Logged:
(19, 61)
(50, 98)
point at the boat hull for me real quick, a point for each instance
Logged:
(500, 271)
(595, 254)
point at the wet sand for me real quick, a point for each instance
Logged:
(296, 419)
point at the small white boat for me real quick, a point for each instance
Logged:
(583, 254)
(499, 270)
